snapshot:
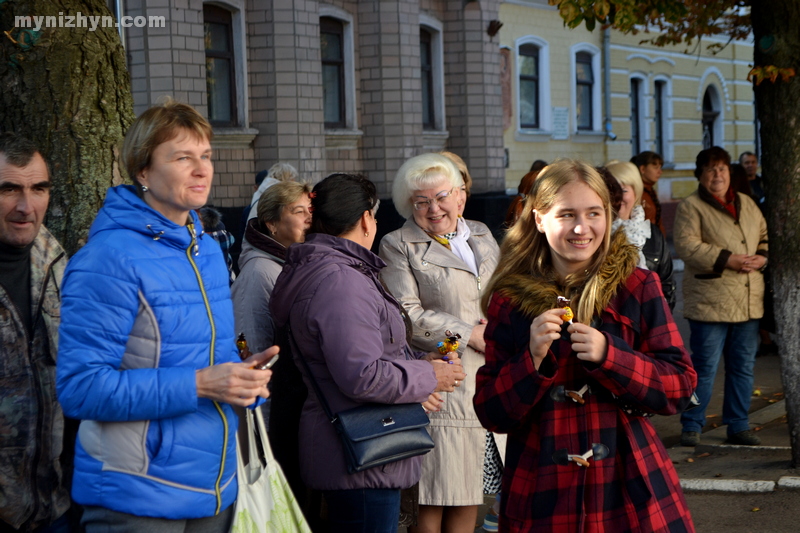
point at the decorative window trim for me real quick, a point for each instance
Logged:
(597, 104)
(436, 29)
(434, 141)
(342, 139)
(239, 38)
(545, 129)
(236, 138)
(326, 10)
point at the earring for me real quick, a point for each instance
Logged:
(366, 234)
(144, 188)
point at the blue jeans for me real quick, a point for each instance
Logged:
(363, 510)
(738, 342)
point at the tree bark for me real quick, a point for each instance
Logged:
(68, 90)
(777, 42)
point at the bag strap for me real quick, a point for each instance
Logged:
(315, 385)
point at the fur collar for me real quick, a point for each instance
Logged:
(534, 295)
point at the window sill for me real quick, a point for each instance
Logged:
(233, 138)
(342, 139)
(434, 140)
(584, 136)
(539, 136)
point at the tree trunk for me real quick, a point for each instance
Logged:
(777, 42)
(68, 90)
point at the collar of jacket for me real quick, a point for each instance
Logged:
(263, 242)
(124, 209)
(439, 254)
(358, 255)
(709, 198)
(533, 295)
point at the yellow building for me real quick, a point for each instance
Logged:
(604, 95)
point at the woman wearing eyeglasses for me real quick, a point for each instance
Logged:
(438, 264)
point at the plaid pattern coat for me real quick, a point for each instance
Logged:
(647, 370)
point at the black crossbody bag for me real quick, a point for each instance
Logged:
(375, 434)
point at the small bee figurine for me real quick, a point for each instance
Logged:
(241, 343)
(563, 303)
(450, 343)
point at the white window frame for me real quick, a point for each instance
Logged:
(666, 126)
(597, 104)
(326, 10)
(545, 110)
(642, 101)
(436, 30)
(239, 38)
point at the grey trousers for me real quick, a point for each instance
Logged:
(102, 520)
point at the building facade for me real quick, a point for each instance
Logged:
(354, 86)
(601, 96)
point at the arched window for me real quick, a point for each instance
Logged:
(711, 118)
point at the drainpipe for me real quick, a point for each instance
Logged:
(610, 135)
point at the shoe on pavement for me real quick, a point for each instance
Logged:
(744, 438)
(690, 438)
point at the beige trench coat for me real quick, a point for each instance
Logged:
(439, 292)
(705, 235)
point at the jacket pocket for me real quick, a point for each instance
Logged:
(16, 496)
(117, 445)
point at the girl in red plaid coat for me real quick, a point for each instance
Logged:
(575, 398)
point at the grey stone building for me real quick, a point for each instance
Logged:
(356, 86)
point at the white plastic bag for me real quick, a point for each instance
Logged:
(265, 503)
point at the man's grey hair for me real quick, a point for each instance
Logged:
(18, 150)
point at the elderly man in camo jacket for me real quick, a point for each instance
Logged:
(33, 491)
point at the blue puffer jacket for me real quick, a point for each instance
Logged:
(144, 305)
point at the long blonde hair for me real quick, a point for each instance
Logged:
(525, 251)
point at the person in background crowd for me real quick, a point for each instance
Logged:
(284, 215)
(465, 176)
(755, 189)
(749, 161)
(34, 473)
(575, 397)
(649, 165)
(654, 251)
(352, 333)
(739, 180)
(721, 236)
(435, 265)
(277, 173)
(517, 203)
(147, 355)
(211, 219)
(538, 165)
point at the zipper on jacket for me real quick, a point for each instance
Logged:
(39, 395)
(194, 249)
(478, 278)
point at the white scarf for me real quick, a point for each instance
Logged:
(460, 246)
(637, 229)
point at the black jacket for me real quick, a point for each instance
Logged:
(659, 260)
